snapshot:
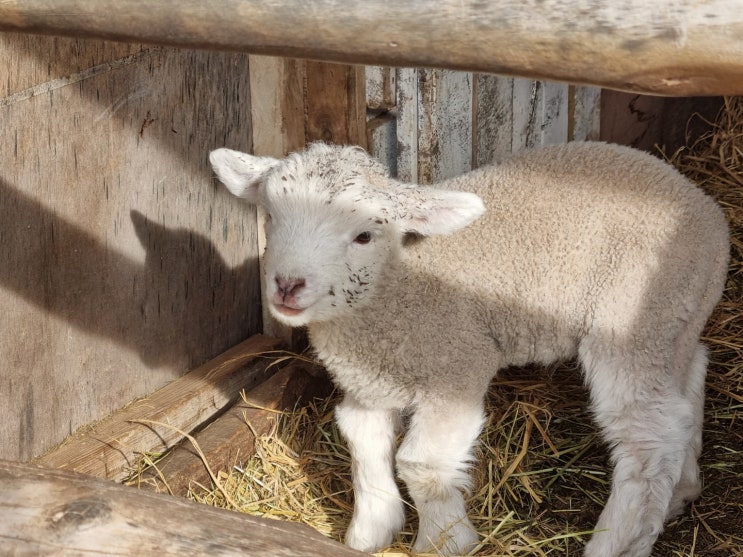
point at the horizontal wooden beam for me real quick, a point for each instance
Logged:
(112, 447)
(231, 438)
(673, 47)
(60, 513)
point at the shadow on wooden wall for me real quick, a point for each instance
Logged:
(156, 310)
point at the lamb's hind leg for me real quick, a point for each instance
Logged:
(378, 509)
(433, 462)
(649, 421)
(690, 485)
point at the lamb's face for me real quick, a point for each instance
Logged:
(329, 234)
(335, 223)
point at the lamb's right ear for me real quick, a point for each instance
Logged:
(241, 173)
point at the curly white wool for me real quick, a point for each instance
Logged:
(587, 250)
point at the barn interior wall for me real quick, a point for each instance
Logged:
(648, 122)
(122, 263)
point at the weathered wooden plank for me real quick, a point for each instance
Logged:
(381, 138)
(153, 424)
(277, 105)
(335, 104)
(646, 122)
(685, 48)
(60, 513)
(123, 265)
(444, 124)
(492, 119)
(230, 439)
(540, 113)
(434, 127)
(50, 62)
(408, 105)
(293, 103)
(584, 113)
(380, 88)
(513, 113)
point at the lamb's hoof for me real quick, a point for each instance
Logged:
(371, 536)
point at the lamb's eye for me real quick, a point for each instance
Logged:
(363, 238)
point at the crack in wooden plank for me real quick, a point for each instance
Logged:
(54, 84)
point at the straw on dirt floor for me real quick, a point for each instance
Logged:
(542, 474)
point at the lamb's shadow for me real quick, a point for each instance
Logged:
(183, 296)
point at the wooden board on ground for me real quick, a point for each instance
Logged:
(230, 439)
(60, 513)
(156, 423)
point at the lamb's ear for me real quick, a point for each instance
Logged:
(241, 173)
(428, 211)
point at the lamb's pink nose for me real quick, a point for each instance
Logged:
(288, 287)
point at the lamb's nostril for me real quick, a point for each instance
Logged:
(289, 286)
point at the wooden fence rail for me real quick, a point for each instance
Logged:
(673, 47)
(60, 513)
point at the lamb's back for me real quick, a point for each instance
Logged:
(575, 234)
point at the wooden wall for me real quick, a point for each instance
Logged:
(122, 263)
(648, 122)
(432, 124)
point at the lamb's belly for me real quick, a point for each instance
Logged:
(542, 342)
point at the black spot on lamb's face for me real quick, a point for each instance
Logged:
(359, 284)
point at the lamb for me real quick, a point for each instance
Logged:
(587, 250)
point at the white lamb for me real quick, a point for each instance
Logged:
(587, 250)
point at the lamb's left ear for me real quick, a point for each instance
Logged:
(429, 211)
(241, 173)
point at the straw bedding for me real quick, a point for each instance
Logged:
(542, 474)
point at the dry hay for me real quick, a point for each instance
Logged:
(542, 474)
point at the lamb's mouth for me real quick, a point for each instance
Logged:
(288, 310)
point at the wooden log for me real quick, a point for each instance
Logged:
(681, 47)
(61, 513)
(230, 439)
(155, 423)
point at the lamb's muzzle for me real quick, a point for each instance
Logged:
(284, 300)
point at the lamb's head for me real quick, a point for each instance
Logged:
(336, 221)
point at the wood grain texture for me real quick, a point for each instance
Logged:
(230, 439)
(380, 88)
(111, 448)
(123, 265)
(56, 61)
(584, 121)
(335, 105)
(645, 122)
(59, 513)
(444, 124)
(277, 105)
(434, 124)
(408, 106)
(684, 47)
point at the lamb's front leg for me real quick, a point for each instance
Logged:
(433, 461)
(378, 509)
